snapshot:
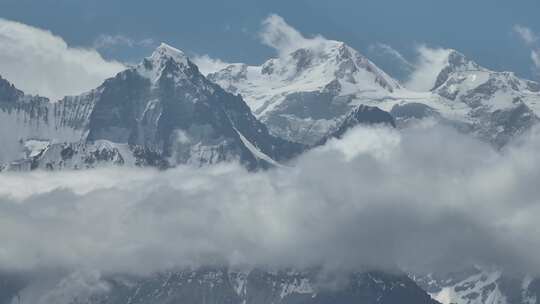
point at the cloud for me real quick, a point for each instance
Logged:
(390, 60)
(531, 40)
(535, 56)
(282, 37)
(39, 62)
(526, 34)
(429, 64)
(208, 65)
(111, 41)
(391, 52)
(377, 198)
(275, 33)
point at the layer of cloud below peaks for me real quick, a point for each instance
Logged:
(38, 62)
(427, 199)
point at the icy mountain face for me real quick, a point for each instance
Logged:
(254, 286)
(307, 94)
(477, 286)
(302, 96)
(499, 104)
(166, 107)
(39, 134)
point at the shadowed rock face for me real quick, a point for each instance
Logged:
(256, 286)
(181, 116)
(14, 100)
(456, 62)
(25, 118)
(501, 126)
(362, 115)
(412, 110)
(8, 92)
(10, 286)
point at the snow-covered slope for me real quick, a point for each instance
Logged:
(499, 104)
(481, 286)
(305, 94)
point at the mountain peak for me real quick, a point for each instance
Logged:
(164, 60)
(456, 62)
(165, 51)
(457, 59)
(8, 92)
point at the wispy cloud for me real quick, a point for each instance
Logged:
(531, 40)
(428, 65)
(535, 56)
(526, 34)
(110, 41)
(278, 34)
(275, 33)
(390, 51)
(208, 64)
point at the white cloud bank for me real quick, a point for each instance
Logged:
(377, 198)
(38, 62)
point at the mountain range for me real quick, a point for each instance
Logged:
(164, 112)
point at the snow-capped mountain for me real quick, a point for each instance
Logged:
(162, 112)
(494, 106)
(499, 105)
(304, 95)
(307, 94)
(167, 107)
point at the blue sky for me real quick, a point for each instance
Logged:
(482, 29)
